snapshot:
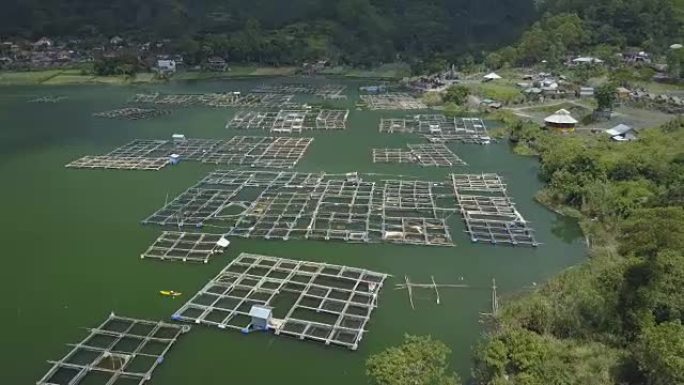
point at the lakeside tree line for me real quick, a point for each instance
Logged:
(617, 319)
(614, 320)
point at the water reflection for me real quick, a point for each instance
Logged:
(566, 229)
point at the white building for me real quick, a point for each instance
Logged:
(586, 92)
(43, 42)
(166, 66)
(116, 40)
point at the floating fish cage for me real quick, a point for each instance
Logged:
(489, 214)
(439, 128)
(251, 151)
(120, 350)
(290, 121)
(330, 207)
(327, 303)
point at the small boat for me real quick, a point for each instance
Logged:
(170, 293)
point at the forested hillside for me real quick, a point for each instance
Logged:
(616, 319)
(359, 31)
(594, 27)
(356, 31)
(624, 22)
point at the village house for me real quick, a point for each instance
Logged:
(622, 133)
(216, 64)
(116, 41)
(586, 92)
(166, 66)
(622, 92)
(43, 43)
(5, 61)
(8, 47)
(636, 57)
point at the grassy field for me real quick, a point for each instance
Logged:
(385, 71)
(237, 72)
(77, 76)
(66, 77)
(499, 90)
(28, 77)
(662, 88)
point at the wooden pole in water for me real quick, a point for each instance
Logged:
(495, 300)
(435, 286)
(410, 291)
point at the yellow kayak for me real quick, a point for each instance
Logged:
(170, 293)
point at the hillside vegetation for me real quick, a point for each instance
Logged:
(617, 319)
(276, 31)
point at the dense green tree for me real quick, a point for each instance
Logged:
(660, 353)
(622, 77)
(418, 361)
(675, 62)
(550, 39)
(623, 22)
(509, 55)
(520, 357)
(650, 230)
(457, 94)
(605, 96)
(125, 64)
(494, 60)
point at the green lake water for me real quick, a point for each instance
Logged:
(71, 241)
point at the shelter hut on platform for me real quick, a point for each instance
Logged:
(261, 316)
(561, 121)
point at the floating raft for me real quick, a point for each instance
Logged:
(427, 155)
(393, 101)
(439, 128)
(228, 99)
(326, 91)
(322, 302)
(186, 247)
(290, 121)
(48, 99)
(120, 350)
(290, 205)
(490, 215)
(132, 113)
(252, 151)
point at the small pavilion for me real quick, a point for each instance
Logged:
(561, 121)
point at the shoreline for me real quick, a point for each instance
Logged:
(71, 76)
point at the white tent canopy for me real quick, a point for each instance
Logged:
(492, 76)
(587, 60)
(561, 117)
